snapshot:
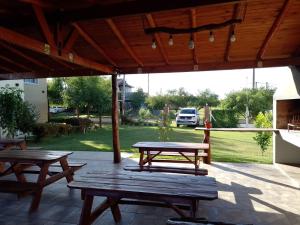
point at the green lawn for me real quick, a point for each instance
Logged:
(226, 146)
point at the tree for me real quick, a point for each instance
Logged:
(207, 97)
(137, 99)
(156, 102)
(15, 114)
(55, 91)
(257, 100)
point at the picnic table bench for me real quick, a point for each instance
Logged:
(175, 191)
(190, 152)
(34, 162)
(6, 144)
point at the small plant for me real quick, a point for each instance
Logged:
(164, 127)
(144, 114)
(263, 139)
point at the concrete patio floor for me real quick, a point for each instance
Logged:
(248, 193)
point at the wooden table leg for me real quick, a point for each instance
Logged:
(23, 145)
(141, 163)
(115, 210)
(85, 218)
(65, 166)
(41, 182)
(149, 158)
(194, 207)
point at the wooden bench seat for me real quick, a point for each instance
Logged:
(197, 221)
(54, 168)
(8, 186)
(188, 154)
(199, 172)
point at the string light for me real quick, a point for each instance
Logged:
(211, 37)
(232, 37)
(171, 42)
(153, 44)
(191, 43)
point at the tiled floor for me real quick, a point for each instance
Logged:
(248, 193)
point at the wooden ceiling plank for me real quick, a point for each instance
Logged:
(15, 63)
(39, 47)
(125, 44)
(69, 43)
(44, 25)
(276, 24)
(93, 43)
(157, 38)
(194, 24)
(43, 4)
(21, 54)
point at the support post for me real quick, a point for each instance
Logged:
(115, 120)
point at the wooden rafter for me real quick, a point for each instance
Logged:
(44, 25)
(238, 10)
(69, 43)
(93, 43)
(39, 47)
(118, 34)
(158, 39)
(21, 54)
(7, 69)
(39, 3)
(194, 24)
(13, 62)
(273, 29)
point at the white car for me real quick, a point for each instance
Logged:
(187, 116)
(56, 109)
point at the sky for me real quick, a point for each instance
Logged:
(219, 82)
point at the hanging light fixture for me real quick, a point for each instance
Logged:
(211, 37)
(191, 43)
(153, 44)
(232, 37)
(171, 42)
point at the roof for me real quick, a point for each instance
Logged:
(40, 38)
(120, 83)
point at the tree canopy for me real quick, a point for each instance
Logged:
(55, 91)
(257, 100)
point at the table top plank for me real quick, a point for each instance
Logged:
(32, 155)
(171, 145)
(168, 185)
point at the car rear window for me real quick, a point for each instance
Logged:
(187, 111)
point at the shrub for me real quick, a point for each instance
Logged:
(263, 139)
(224, 118)
(42, 130)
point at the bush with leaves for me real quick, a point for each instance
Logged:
(15, 114)
(144, 114)
(263, 139)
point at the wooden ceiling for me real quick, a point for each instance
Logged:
(40, 38)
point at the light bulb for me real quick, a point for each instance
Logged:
(153, 44)
(211, 37)
(171, 42)
(232, 37)
(191, 43)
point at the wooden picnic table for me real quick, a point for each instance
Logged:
(162, 190)
(34, 162)
(191, 152)
(6, 144)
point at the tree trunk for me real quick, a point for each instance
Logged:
(77, 112)
(100, 120)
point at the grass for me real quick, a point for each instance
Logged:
(226, 146)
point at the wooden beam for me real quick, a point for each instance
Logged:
(194, 24)
(242, 64)
(7, 69)
(105, 11)
(235, 14)
(94, 44)
(13, 62)
(44, 25)
(115, 120)
(117, 32)
(273, 29)
(69, 43)
(157, 39)
(37, 46)
(21, 54)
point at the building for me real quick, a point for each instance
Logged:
(34, 92)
